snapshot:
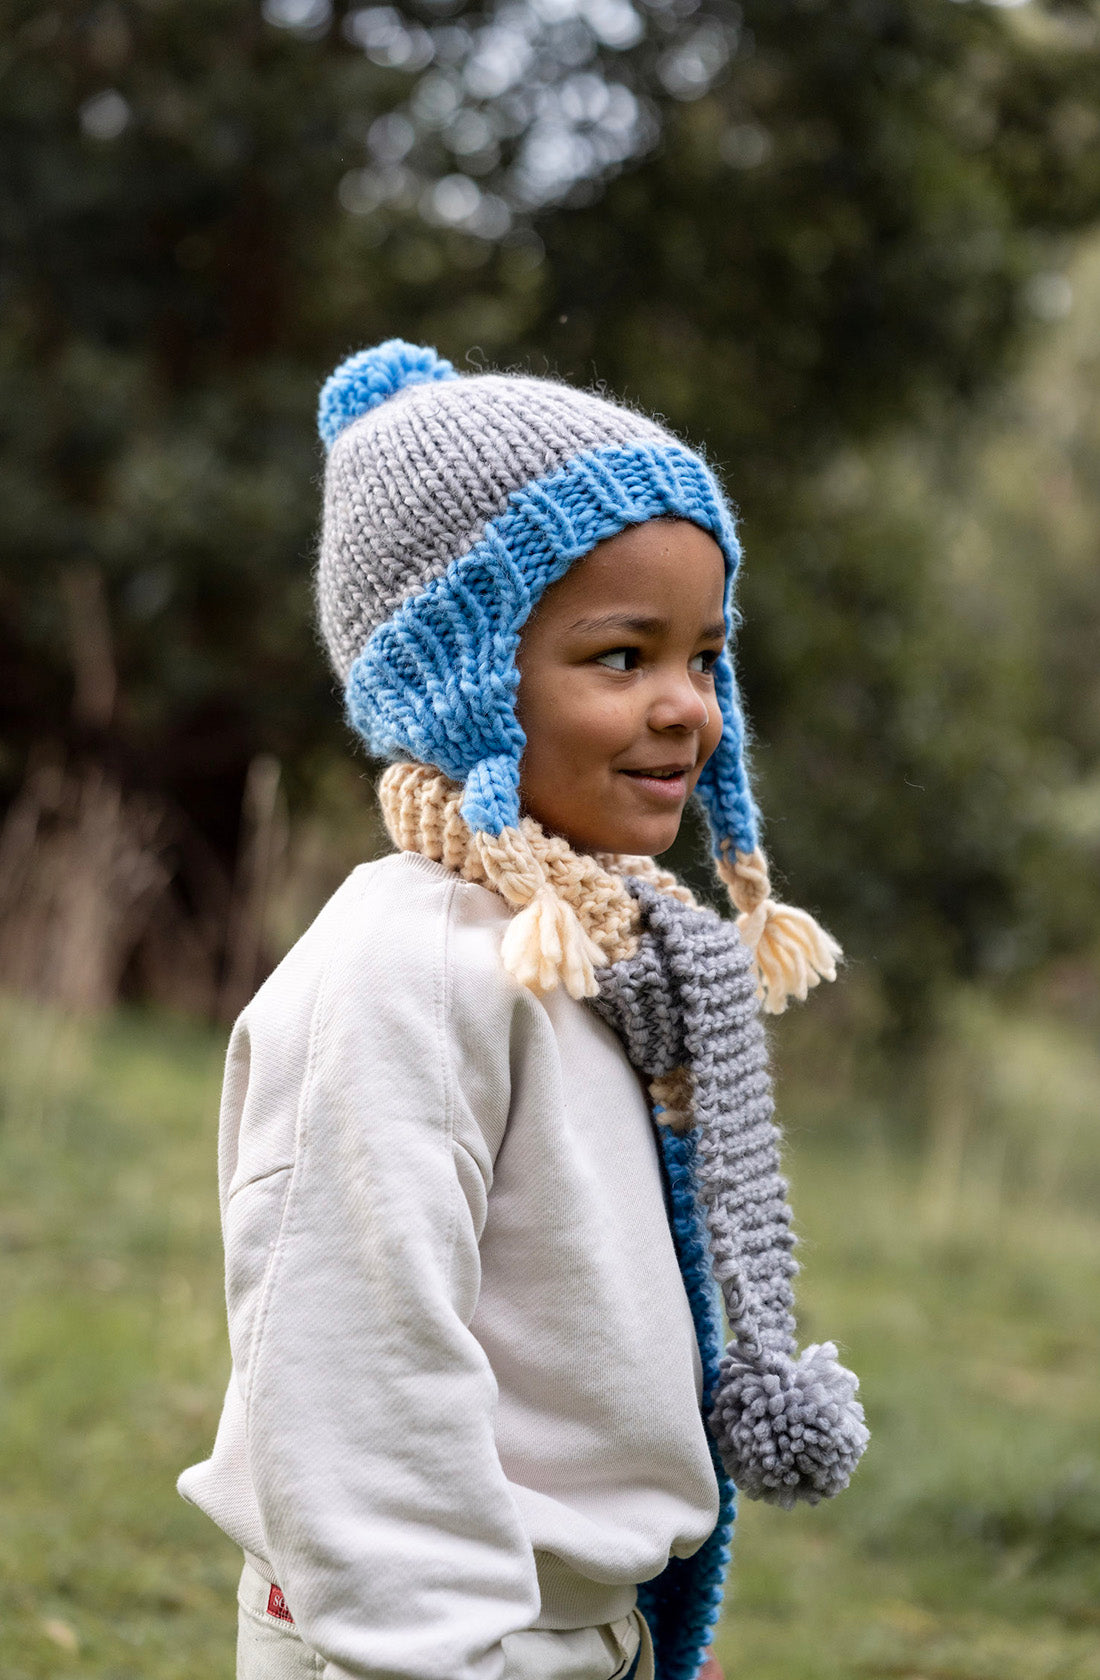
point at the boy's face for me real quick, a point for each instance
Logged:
(616, 680)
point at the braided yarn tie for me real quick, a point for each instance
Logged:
(546, 942)
(573, 911)
(572, 914)
(792, 952)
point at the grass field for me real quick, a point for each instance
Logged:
(958, 1260)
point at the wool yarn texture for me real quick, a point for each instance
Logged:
(451, 503)
(675, 982)
(788, 1426)
(677, 985)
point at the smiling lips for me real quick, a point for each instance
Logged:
(665, 781)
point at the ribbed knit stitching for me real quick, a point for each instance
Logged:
(412, 483)
(437, 680)
(788, 1425)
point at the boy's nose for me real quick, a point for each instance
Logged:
(679, 705)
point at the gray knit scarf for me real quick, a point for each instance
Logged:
(787, 1426)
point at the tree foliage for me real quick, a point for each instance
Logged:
(792, 227)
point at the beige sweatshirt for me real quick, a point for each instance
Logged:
(465, 1389)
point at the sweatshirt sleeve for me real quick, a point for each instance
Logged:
(388, 1521)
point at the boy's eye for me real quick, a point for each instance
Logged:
(626, 659)
(619, 659)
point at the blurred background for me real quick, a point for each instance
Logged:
(851, 248)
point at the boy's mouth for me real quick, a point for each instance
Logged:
(664, 781)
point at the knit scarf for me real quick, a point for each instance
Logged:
(677, 984)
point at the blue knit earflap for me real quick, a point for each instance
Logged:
(792, 951)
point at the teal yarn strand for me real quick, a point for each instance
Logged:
(683, 1604)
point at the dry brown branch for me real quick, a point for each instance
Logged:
(81, 868)
(261, 856)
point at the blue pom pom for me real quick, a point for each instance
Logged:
(369, 377)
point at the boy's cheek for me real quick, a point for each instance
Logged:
(594, 729)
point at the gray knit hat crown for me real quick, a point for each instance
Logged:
(414, 481)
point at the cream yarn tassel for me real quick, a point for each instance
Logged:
(792, 951)
(572, 914)
(544, 943)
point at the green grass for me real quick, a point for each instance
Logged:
(957, 1260)
(112, 1349)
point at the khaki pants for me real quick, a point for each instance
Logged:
(269, 1647)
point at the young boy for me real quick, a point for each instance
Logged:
(478, 1423)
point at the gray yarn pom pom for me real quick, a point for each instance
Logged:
(789, 1431)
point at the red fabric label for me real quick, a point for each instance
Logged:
(276, 1605)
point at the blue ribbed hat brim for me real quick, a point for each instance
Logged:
(437, 681)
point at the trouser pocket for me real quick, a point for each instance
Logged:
(593, 1653)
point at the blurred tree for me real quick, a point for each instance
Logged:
(790, 226)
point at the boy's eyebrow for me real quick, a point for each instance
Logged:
(643, 626)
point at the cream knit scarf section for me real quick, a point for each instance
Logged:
(573, 913)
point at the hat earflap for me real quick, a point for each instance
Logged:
(791, 951)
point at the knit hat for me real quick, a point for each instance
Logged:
(451, 503)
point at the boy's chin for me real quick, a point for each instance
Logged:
(634, 839)
(637, 834)
(652, 843)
